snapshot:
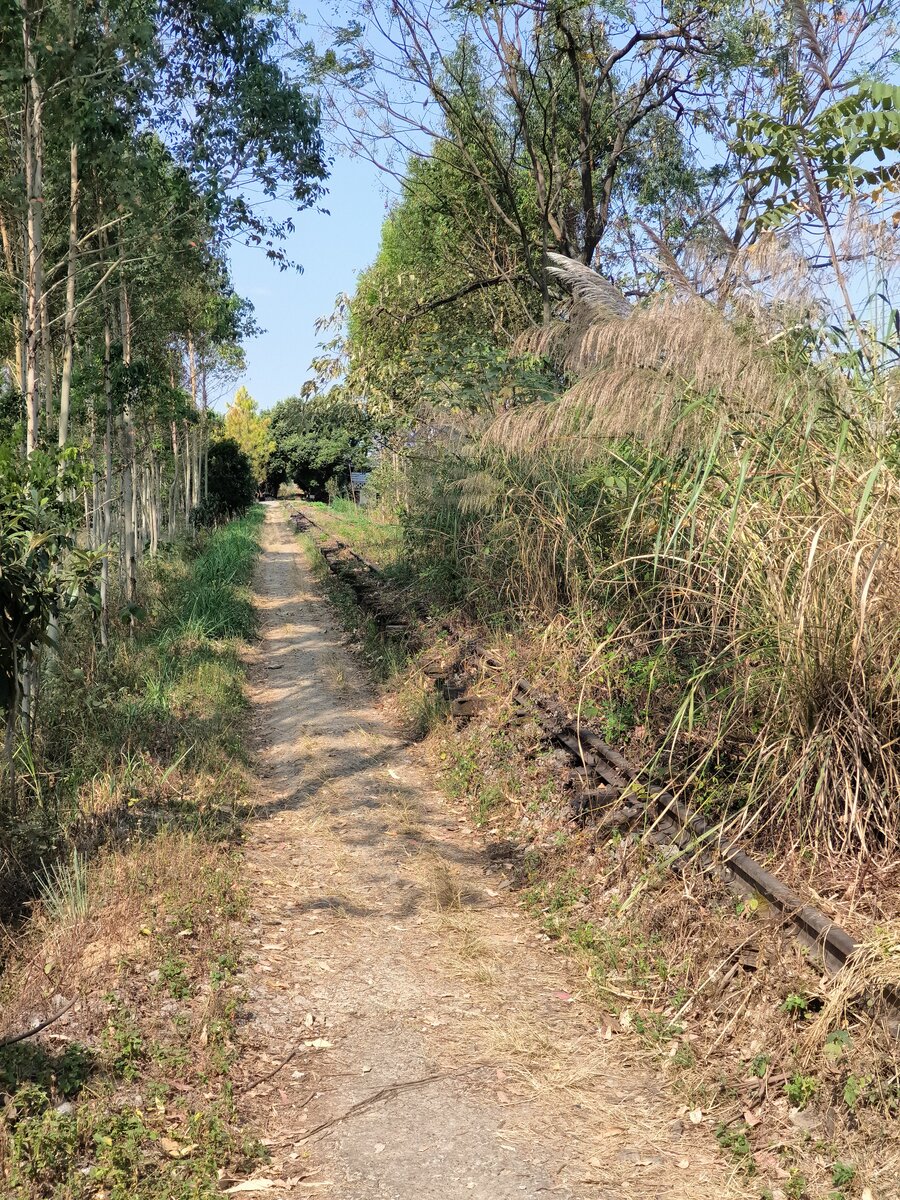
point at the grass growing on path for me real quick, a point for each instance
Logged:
(375, 539)
(141, 775)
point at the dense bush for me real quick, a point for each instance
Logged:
(317, 441)
(231, 483)
(41, 569)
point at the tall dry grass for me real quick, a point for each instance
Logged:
(704, 488)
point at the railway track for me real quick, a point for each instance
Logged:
(616, 794)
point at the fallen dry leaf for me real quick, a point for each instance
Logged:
(318, 1044)
(176, 1149)
(803, 1118)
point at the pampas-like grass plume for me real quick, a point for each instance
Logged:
(652, 372)
(595, 296)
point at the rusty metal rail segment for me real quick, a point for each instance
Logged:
(686, 835)
(619, 795)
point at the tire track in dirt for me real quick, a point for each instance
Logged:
(409, 1034)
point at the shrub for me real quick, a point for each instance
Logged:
(231, 487)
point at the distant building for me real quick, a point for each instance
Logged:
(357, 482)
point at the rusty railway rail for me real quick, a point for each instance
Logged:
(616, 793)
(364, 578)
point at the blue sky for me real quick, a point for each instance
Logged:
(333, 248)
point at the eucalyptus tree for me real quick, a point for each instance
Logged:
(137, 141)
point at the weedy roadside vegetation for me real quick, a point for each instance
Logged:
(138, 784)
(722, 614)
(379, 540)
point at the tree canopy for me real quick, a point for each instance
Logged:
(660, 147)
(317, 441)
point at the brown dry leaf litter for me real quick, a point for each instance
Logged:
(408, 1035)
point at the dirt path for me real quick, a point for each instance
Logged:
(437, 1044)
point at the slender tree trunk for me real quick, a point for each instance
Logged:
(65, 389)
(35, 307)
(108, 484)
(93, 529)
(153, 494)
(46, 383)
(176, 481)
(34, 186)
(129, 552)
(204, 429)
(187, 472)
(197, 469)
(195, 440)
(18, 323)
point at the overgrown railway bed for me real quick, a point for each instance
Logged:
(615, 794)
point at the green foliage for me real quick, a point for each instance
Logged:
(759, 1067)
(795, 1185)
(836, 1045)
(172, 972)
(841, 149)
(231, 483)
(123, 1042)
(27, 1064)
(801, 1090)
(316, 441)
(855, 1089)
(152, 730)
(245, 427)
(212, 601)
(795, 1005)
(429, 323)
(42, 569)
(842, 1174)
(115, 1148)
(11, 413)
(63, 888)
(736, 1141)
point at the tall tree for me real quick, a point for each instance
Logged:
(137, 141)
(249, 431)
